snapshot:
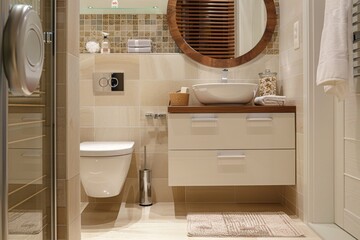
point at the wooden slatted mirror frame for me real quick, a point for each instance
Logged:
(179, 14)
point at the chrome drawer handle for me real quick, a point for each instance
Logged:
(204, 119)
(259, 119)
(242, 156)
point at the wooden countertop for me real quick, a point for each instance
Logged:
(231, 109)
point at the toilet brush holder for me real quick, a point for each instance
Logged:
(145, 184)
(145, 187)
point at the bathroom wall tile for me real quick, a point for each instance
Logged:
(161, 192)
(61, 194)
(300, 154)
(62, 232)
(87, 97)
(72, 28)
(155, 93)
(84, 198)
(130, 96)
(178, 194)
(87, 134)
(61, 40)
(74, 232)
(155, 139)
(166, 67)
(61, 64)
(130, 191)
(60, 95)
(61, 166)
(118, 134)
(158, 162)
(116, 116)
(127, 63)
(87, 66)
(73, 198)
(210, 194)
(61, 214)
(87, 116)
(61, 131)
(258, 194)
(73, 119)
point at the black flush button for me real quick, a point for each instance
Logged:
(117, 82)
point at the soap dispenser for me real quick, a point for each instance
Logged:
(105, 48)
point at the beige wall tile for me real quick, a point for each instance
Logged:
(166, 67)
(74, 232)
(87, 117)
(61, 166)
(155, 139)
(87, 134)
(130, 96)
(259, 194)
(210, 194)
(61, 95)
(61, 215)
(161, 192)
(62, 232)
(155, 93)
(87, 97)
(119, 134)
(87, 66)
(116, 116)
(60, 68)
(61, 194)
(127, 63)
(73, 198)
(72, 28)
(61, 131)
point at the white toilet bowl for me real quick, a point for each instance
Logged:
(104, 167)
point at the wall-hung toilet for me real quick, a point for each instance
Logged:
(104, 167)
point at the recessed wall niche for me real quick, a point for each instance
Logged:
(122, 27)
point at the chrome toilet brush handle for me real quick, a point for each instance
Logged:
(145, 184)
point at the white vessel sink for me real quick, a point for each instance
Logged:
(218, 93)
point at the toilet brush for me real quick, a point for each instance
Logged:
(145, 184)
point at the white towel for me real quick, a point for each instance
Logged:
(270, 100)
(333, 68)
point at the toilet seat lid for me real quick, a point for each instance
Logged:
(91, 149)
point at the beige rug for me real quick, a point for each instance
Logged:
(242, 224)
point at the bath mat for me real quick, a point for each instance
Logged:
(25, 222)
(241, 224)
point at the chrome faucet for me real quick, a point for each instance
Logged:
(224, 75)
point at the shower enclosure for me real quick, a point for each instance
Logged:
(27, 176)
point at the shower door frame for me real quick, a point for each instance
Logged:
(4, 9)
(3, 131)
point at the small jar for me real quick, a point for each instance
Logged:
(267, 83)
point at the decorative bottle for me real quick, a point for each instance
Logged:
(105, 45)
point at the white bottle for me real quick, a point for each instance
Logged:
(105, 45)
(114, 4)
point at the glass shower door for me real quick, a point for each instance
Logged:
(30, 151)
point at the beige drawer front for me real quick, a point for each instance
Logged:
(232, 131)
(233, 167)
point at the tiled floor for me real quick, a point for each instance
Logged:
(162, 221)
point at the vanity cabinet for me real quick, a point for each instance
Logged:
(236, 148)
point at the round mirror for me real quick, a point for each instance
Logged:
(224, 33)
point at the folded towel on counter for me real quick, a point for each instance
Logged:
(270, 100)
(139, 49)
(333, 69)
